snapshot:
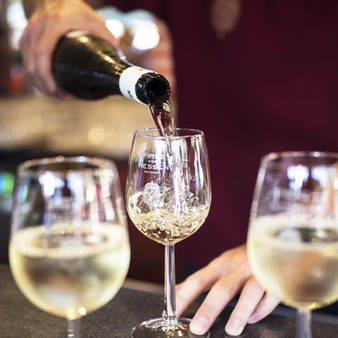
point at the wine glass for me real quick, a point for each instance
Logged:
(168, 198)
(293, 232)
(69, 247)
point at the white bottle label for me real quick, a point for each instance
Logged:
(128, 80)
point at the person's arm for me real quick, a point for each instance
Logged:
(29, 6)
(48, 21)
(225, 276)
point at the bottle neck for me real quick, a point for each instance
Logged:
(129, 80)
(144, 86)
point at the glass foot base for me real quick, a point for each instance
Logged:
(158, 328)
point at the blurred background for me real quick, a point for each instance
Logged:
(33, 125)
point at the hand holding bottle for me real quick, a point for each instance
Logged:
(49, 20)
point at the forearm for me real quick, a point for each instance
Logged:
(30, 5)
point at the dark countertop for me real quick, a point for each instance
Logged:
(20, 319)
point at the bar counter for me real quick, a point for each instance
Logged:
(20, 319)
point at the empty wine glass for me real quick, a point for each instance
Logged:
(69, 246)
(168, 198)
(293, 232)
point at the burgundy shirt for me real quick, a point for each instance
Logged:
(269, 84)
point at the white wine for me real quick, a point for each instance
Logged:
(296, 262)
(71, 272)
(169, 228)
(165, 216)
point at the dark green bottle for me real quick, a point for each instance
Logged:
(89, 67)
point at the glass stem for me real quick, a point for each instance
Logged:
(73, 328)
(304, 324)
(169, 312)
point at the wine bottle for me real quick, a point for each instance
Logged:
(89, 67)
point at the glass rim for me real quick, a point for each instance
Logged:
(270, 157)
(98, 163)
(194, 133)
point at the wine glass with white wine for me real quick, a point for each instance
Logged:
(168, 197)
(69, 246)
(293, 232)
